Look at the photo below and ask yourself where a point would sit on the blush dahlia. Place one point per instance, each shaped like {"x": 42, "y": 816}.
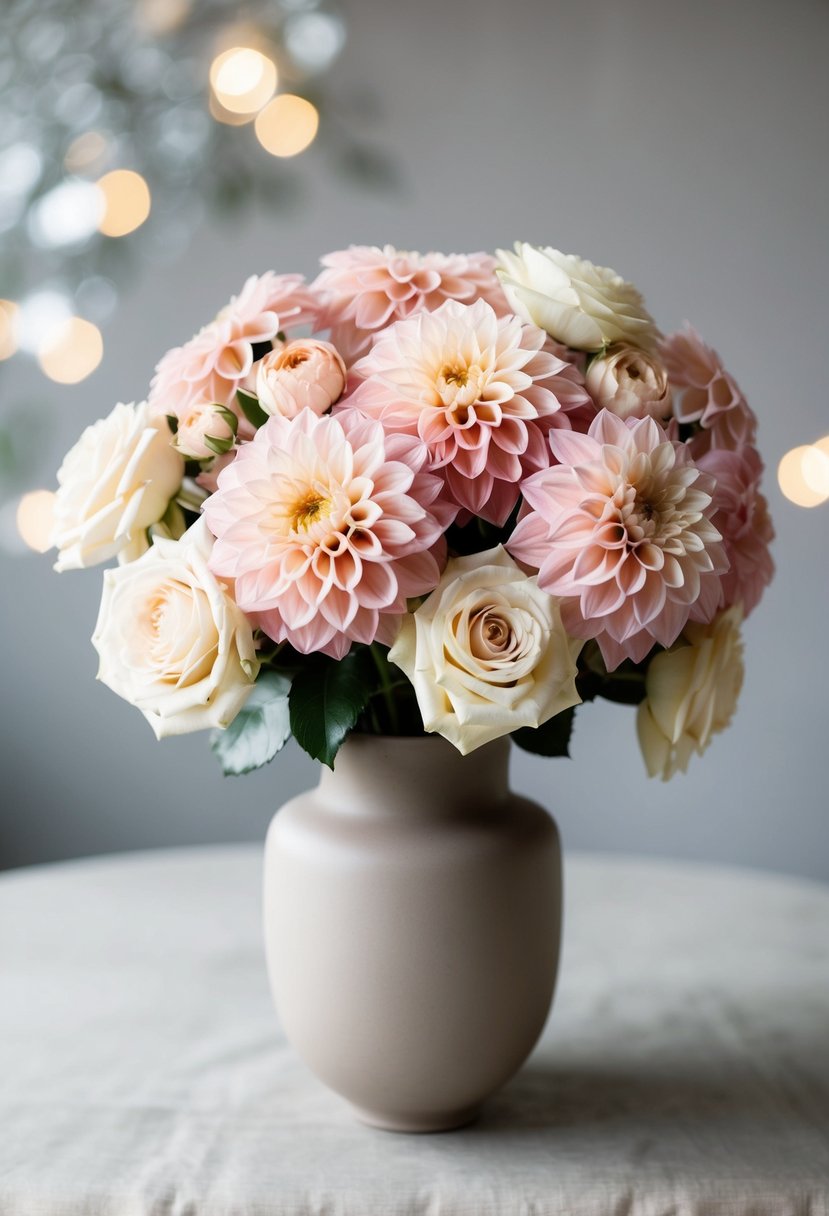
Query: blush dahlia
{"x": 478, "y": 390}
{"x": 620, "y": 528}
{"x": 326, "y": 526}
{"x": 363, "y": 289}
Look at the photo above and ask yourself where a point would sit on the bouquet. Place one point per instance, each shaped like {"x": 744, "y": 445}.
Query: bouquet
{"x": 425, "y": 493}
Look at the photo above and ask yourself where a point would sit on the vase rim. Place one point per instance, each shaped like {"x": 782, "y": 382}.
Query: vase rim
{"x": 366, "y": 763}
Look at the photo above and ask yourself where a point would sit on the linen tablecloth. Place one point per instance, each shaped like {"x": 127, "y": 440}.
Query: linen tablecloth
{"x": 684, "y": 1070}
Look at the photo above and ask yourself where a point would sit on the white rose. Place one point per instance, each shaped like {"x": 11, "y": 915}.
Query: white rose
{"x": 582, "y": 305}
{"x": 172, "y": 641}
{"x": 206, "y": 430}
{"x": 307, "y": 373}
{"x": 629, "y": 382}
{"x": 487, "y": 652}
{"x": 113, "y": 484}
{"x": 692, "y": 693}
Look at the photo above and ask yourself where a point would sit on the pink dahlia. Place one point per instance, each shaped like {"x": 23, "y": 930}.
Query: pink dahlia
{"x": 621, "y": 530}
{"x": 741, "y": 514}
{"x": 327, "y": 525}
{"x": 706, "y": 393}
{"x": 365, "y": 288}
{"x": 218, "y": 360}
{"x": 478, "y": 390}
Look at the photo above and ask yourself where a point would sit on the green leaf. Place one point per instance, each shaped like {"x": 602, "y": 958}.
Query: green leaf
{"x": 219, "y": 446}
{"x": 260, "y": 729}
{"x": 172, "y": 422}
{"x": 551, "y": 739}
{"x": 251, "y": 408}
{"x": 326, "y": 699}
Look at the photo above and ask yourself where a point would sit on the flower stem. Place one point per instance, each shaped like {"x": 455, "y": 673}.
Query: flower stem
{"x": 387, "y": 686}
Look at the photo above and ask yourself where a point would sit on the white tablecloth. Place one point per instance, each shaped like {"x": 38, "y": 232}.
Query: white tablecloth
{"x": 684, "y": 1070}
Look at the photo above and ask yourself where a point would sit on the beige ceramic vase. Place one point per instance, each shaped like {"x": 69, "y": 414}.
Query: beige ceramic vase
{"x": 412, "y": 923}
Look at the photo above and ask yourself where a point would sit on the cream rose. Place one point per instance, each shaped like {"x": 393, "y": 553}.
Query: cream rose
{"x": 303, "y": 374}
{"x": 629, "y": 382}
{"x": 582, "y": 305}
{"x": 206, "y": 430}
{"x": 172, "y": 641}
{"x": 692, "y": 693}
{"x": 487, "y": 652}
{"x": 113, "y": 484}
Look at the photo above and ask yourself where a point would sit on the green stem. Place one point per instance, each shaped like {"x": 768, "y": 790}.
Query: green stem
{"x": 387, "y": 686}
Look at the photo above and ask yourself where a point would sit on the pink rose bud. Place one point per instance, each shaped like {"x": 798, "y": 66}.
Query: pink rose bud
{"x": 303, "y": 374}
{"x": 206, "y": 430}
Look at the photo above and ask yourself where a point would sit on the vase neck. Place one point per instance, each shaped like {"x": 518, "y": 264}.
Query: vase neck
{"x": 426, "y": 776}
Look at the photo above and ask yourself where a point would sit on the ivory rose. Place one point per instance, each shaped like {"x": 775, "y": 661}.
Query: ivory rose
{"x": 487, "y": 652}
{"x": 582, "y": 305}
{"x": 692, "y": 693}
{"x": 305, "y": 373}
{"x": 113, "y": 484}
{"x": 171, "y": 639}
{"x": 629, "y": 382}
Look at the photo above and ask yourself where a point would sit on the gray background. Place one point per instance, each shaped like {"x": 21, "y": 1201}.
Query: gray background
{"x": 684, "y": 145}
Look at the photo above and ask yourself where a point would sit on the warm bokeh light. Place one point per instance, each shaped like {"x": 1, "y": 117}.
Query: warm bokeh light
{"x": 815, "y": 465}
{"x": 243, "y": 80}
{"x": 9, "y": 328}
{"x": 35, "y": 519}
{"x": 287, "y": 125}
{"x": 796, "y": 473}
{"x": 73, "y": 352}
{"x": 85, "y": 153}
{"x": 218, "y": 112}
{"x": 126, "y": 202}
{"x": 162, "y": 16}
{"x": 822, "y": 445}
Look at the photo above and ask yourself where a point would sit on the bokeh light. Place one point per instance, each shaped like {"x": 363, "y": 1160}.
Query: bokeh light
{"x": 66, "y": 215}
{"x": 815, "y": 465}
{"x": 73, "y": 352}
{"x": 35, "y": 519}
{"x": 287, "y": 125}
{"x": 9, "y": 327}
{"x": 823, "y": 445}
{"x": 243, "y": 80}
{"x": 85, "y": 153}
{"x": 162, "y": 16}
{"x": 127, "y": 202}
{"x": 314, "y": 40}
{"x": 41, "y": 316}
{"x": 803, "y": 476}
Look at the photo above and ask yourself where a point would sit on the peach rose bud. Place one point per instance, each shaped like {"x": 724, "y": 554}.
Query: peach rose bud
{"x": 306, "y": 373}
{"x": 206, "y": 430}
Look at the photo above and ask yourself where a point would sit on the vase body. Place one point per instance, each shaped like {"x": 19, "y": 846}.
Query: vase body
{"x": 412, "y": 927}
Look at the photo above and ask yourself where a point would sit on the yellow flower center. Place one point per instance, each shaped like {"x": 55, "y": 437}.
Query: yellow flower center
{"x": 459, "y": 386}
{"x": 307, "y": 510}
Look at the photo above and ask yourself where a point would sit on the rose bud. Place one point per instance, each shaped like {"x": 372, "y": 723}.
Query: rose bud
{"x": 303, "y": 374}
{"x": 206, "y": 430}
{"x": 629, "y": 382}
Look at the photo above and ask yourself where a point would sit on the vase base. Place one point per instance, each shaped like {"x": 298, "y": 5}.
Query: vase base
{"x": 444, "y": 1121}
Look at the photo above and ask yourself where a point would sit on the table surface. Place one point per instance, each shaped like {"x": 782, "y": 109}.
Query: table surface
{"x": 684, "y": 1070}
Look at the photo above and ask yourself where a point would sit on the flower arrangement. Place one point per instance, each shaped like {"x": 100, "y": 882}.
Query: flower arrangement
{"x": 484, "y": 490}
